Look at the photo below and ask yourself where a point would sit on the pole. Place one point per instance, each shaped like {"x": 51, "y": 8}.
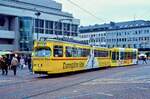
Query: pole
{"x": 117, "y": 40}
{"x": 37, "y": 14}
{"x": 37, "y": 29}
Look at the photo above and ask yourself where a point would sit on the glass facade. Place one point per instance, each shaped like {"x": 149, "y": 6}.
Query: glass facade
{"x": 39, "y": 26}
{"x": 26, "y": 35}
{"x": 42, "y": 27}
{"x": 23, "y": 21}
{"x": 55, "y": 27}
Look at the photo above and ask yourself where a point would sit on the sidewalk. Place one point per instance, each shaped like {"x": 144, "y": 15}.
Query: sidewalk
{"x": 21, "y": 76}
{"x": 141, "y": 62}
{"x": 25, "y": 75}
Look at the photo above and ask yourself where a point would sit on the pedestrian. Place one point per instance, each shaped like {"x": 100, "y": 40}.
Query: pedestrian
{"x": 7, "y": 59}
{"x": 144, "y": 59}
{"x": 29, "y": 62}
{"x": 1, "y": 64}
{"x": 14, "y": 64}
{"x": 22, "y": 62}
{"x": 4, "y": 65}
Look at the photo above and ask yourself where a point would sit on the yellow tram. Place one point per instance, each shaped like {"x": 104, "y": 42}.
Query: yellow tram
{"x": 56, "y": 56}
{"x": 123, "y": 56}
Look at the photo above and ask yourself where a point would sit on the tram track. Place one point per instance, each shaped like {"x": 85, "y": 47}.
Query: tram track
{"x": 60, "y": 88}
{"x": 68, "y": 85}
{"x": 21, "y": 82}
{"x": 40, "y": 86}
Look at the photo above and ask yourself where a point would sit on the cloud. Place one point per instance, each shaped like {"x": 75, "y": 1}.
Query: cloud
{"x": 115, "y": 10}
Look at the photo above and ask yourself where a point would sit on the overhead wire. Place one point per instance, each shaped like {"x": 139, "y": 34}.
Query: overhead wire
{"x": 86, "y": 11}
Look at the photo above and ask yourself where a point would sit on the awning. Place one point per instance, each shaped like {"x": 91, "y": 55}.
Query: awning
{"x": 142, "y": 55}
{"x": 5, "y": 52}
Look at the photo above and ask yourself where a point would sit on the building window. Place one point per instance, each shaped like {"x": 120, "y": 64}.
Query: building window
{"x": 134, "y": 46}
{"x": 124, "y": 45}
{"x": 66, "y": 28}
{"x": 39, "y": 23}
{"x": 39, "y": 26}
{"x": 2, "y": 21}
{"x": 49, "y": 24}
{"x": 58, "y": 28}
{"x": 136, "y": 32}
{"x": 49, "y": 27}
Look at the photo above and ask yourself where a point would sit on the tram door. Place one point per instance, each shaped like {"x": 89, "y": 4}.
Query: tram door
{"x": 115, "y": 57}
{"x": 134, "y": 57}
{"x": 40, "y": 58}
{"x": 121, "y": 56}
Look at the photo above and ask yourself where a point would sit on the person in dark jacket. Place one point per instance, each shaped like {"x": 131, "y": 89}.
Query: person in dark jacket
{"x": 144, "y": 60}
{"x": 4, "y": 65}
{"x": 29, "y": 63}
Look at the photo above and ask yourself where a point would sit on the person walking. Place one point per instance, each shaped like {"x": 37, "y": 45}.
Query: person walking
{"x": 14, "y": 63}
{"x": 22, "y": 62}
{"x": 144, "y": 59}
{"x": 4, "y": 66}
{"x": 8, "y": 61}
{"x": 29, "y": 62}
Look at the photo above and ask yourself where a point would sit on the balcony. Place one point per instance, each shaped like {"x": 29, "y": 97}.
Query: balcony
{"x": 7, "y": 34}
{"x": 6, "y": 47}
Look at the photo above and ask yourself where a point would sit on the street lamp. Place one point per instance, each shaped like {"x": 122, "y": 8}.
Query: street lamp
{"x": 37, "y": 13}
{"x": 117, "y": 39}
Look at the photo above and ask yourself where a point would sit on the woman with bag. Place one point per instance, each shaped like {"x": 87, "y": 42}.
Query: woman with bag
{"x": 14, "y": 63}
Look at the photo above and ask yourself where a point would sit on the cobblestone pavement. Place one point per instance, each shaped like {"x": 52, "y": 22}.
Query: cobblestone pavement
{"x": 132, "y": 82}
{"x": 21, "y": 76}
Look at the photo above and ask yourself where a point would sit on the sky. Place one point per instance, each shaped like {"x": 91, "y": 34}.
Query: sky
{"x": 104, "y": 11}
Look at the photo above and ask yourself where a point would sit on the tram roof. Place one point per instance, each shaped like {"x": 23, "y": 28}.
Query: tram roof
{"x": 65, "y": 40}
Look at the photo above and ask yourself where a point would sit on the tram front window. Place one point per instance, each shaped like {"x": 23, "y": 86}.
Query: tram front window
{"x": 42, "y": 52}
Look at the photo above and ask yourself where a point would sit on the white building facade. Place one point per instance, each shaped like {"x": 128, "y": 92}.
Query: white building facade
{"x": 23, "y": 21}
{"x": 130, "y": 38}
{"x": 131, "y": 34}
{"x": 94, "y": 38}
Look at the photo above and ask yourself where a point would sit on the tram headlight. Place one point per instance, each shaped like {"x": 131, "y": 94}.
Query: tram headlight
{"x": 39, "y": 65}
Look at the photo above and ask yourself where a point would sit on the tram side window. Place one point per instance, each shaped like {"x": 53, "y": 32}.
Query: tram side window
{"x": 117, "y": 55}
{"x": 58, "y": 51}
{"x": 79, "y": 52}
{"x": 126, "y": 55}
{"x": 68, "y": 51}
{"x": 134, "y": 55}
{"x": 113, "y": 56}
{"x": 98, "y": 53}
{"x": 42, "y": 52}
{"x": 103, "y": 53}
{"x": 74, "y": 52}
{"x": 85, "y": 52}
{"x": 129, "y": 55}
{"x": 122, "y": 55}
